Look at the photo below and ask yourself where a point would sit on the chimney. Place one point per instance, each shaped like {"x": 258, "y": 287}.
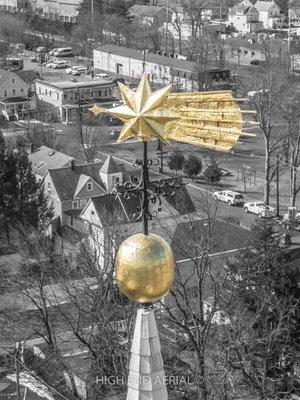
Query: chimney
{"x": 72, "y": 164}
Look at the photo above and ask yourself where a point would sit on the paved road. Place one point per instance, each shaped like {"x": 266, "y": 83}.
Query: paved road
{"x": 201, "y": 194}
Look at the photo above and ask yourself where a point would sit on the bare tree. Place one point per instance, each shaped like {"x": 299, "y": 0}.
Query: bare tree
{"x": 291, "y": 117}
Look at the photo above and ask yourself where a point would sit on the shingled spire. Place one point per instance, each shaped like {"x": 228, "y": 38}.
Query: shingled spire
{"x": 146, "y": 380}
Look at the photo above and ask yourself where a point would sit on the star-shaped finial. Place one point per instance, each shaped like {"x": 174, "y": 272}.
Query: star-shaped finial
{"x": 143, "y": 112}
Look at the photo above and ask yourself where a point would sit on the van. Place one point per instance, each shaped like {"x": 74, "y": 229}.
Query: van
{"x": 63, "y": 52}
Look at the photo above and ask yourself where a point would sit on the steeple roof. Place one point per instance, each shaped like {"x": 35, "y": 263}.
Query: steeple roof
{"x": 110, "y": 166}
{"x": 146, "y": 380}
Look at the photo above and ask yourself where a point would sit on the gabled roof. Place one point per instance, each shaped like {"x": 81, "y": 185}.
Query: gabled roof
{"x": 83, "y": 179}
{"x": 145, "y": 11}
{"x": 241, "y": 8}
{"x": 27, "y": 76}
{"x": 66, "y": 179}
{"x": 264, "y": 5}
{"x": 110, "y": 166}
{"x": 4, "y": 75}
{"x": 114, "y": 210}
{"x": 180, "y": 200}
{"x": 45, "y": 158}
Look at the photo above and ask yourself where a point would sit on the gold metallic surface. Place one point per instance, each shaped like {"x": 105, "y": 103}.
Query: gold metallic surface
{"x": 145, "y": 267}
{"x": 206, "y": 119}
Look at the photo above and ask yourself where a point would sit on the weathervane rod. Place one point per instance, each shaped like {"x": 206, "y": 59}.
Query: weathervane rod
{"x": 145, "y": 179}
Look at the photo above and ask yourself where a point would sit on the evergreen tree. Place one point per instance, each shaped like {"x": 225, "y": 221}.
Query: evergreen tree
{"x": 8, "y": 186}
{"x": 176, "y": 161}
{"x": 192, "y": 166}
{"x": 213, "y": 172}
{"x": 32, "y": 208}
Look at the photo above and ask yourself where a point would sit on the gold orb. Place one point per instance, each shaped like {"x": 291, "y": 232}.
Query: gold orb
{"x": 145, "y": 267}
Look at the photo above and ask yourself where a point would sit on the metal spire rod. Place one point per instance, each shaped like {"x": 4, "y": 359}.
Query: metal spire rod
{"x": 145, "y": 181}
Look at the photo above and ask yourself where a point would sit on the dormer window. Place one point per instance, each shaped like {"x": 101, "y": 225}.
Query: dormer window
{"x": 75, "y": 204}
{"x": 89, "y": 186}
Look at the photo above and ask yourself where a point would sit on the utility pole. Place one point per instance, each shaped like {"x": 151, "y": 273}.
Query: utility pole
{"x": 28, "y": 123}
{"x": 92, "y": 17}
{"x": 277, "y": 185}
{"x": 167, "y": 27}
{"x": 17, "y": 370}
{"x": 79, "y": 114}
{"x": 289, "y": 38}
{"x": 220, "y": 35}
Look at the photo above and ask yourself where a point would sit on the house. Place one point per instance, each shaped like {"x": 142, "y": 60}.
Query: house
{"x": 245, "y": 50}
{"x": 183, "y": 75}
{"x": 16, "y": 94}
{"x": 45, "y": 158}
{"x": 60, "y": 10}
{"x": 149, "y": 15}
{"x": 294, "y": 11}
{"x": 244, "y": 17}
{"x": 66, "y": 97}
{"x": 269, "y": 14}
{"x": 14, "y": 5}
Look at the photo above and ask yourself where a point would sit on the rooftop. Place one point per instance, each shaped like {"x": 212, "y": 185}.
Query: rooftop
{"x": 77, "y": 84}
{"x": 145, "y": 11}
{"x": 264, "y": 5}
{"x": 45, "y": 158}
{"x": 151, "y": 57}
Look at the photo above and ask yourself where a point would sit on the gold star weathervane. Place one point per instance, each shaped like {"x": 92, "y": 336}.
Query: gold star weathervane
{"x": 206, "y": 119}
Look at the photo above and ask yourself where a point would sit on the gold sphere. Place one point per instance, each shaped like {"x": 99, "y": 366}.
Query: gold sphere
{"x": 145, "y": 267}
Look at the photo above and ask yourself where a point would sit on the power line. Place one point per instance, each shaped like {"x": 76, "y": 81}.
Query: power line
{"x": 33, "y": 374}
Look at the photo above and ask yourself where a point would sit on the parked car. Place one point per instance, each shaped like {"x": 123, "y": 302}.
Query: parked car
{"x": 51, "y": 64}
{"x": 255, "y": 62}
{"x": 101, "y": 75}
{"x": 51, "y": 52}
{"x": 60, "y": 64}
{"x": 229, "y": 197}
{"x": 73, "y": 68}
{"x": 79, "y": 71}
{"x": 260, "y": 209}
{"x": 41, "y": 50}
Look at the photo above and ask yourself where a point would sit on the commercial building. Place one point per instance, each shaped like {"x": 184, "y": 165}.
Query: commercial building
{"x": 14, "y": 5}
{"x": 161, "y": 70}
{"x": 65, "y": 97}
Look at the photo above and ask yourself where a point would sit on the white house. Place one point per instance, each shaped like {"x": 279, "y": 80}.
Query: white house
{"x": 16, "y": 95}
{"x": 62, "y": 10}
{"x": 244, "y": 17}
{"x": 269, "y": 14}
{"x": 65, "y": 97}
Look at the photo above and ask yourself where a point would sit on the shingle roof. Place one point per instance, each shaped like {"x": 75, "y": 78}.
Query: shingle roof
{"x": 4, "y": 75}
{"x": 112, "y": 209}
{"x": 264, "y": 5}
{"x": 180, "y": 199}
{"x": 145, "y": 11}
{"x": 110, "y": 166}
{"x": 45, "y": 158}
{"x": 27, "y": 76}
{"x": 66, "y": 179}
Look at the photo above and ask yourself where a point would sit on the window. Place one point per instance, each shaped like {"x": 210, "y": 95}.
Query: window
{"x": 253, "y": 53}
{"x": 82, "y": 202}
{"x": 105, "y": 93}
{"x": 14, "y": 92}
{"x": 75, "y": 204}
{"x": 71, "y": 220}
{"x": 159, "y": 209}
{"x": 22, "y": 90}
{"x": 46, "y": 91}
{"x": 5, "y": 93}
{"x": 89, "y": 186}
{"x": 13, "y": 80}
{"x": 65, "y": 96}
{"x": 50, "y": 93}
{"x": 100, "y": 93}
{"x": 49, "y": 186}
{"x": 57, "y": 96}
{"x": 115, "y": 180}
{"x": 245, "y": 51}
{"x": 92, "y": 212}
{"x": 40, "y": 90}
